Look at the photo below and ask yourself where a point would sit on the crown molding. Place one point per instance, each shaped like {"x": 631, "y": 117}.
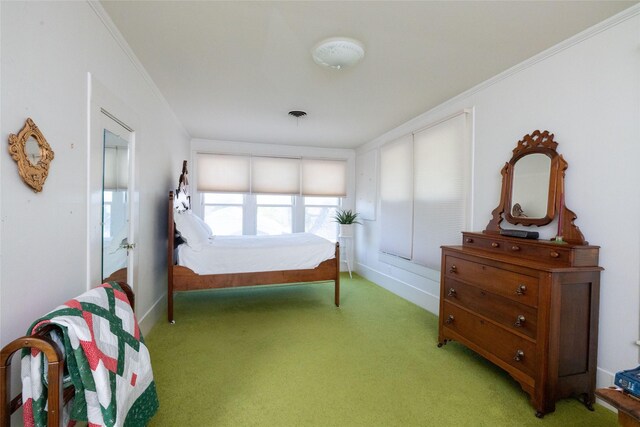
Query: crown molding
{"x": 121, "y": 41}
{"x": 427, "y": 117}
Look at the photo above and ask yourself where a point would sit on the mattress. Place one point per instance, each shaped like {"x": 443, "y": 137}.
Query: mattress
{"x": 247, "y": 254}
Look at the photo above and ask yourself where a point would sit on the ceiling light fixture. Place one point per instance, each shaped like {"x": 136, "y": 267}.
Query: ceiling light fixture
{"x": 338, "y": 52}
{"x": 297, "y": 114}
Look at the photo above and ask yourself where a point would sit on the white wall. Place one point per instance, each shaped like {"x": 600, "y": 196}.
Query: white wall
{"x": 47, "y": 50}
{"x": 587, "y": 92}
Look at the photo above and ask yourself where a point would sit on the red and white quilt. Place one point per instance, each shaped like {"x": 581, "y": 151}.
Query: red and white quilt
{"x": 106, "y": 358}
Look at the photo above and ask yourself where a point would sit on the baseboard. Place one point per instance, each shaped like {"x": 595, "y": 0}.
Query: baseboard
{"x": 604, "y": 378}
{"x": 153, "y": 315}
{"x": 409, "y": 292}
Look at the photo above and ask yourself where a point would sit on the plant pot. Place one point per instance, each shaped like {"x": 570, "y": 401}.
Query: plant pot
{"x": 346, "y": 230}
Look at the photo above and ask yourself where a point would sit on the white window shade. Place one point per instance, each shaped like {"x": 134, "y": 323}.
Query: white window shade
{"x": 396, "y": 194}
{"x": 324, "y": 177}
{"x": 441, "y": 186}
{"x": 272, "y": 175}
{"x": 223, "y": 173}
{"x": 116, "y": 168}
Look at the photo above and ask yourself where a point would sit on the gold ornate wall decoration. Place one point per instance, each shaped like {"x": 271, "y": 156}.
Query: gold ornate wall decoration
{"x": 32, "y": 154}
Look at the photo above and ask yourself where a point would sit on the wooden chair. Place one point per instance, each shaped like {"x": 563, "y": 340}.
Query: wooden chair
{"x": 57, "y": 397}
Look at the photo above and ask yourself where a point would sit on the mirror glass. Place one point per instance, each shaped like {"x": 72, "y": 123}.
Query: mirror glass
{"x": 33, "y": 151}
{"x": 115, "y": 206}
{"x": 530, "y": 191}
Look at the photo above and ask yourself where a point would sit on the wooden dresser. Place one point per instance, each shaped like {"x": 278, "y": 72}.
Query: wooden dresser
{"x": 530, "y": 307}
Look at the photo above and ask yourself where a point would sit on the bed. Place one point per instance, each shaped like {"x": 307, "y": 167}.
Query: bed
{"x": 182, "y": 278}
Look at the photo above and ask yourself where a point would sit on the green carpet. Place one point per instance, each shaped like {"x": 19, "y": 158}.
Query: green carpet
{"x": 286, "y": 356}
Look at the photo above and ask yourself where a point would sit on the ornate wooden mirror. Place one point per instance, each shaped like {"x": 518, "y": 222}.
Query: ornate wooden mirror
{"x": 32, "y": 153}
{"x": 533, "y": 189}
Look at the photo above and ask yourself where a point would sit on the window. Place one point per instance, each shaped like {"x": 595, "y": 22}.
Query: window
{"x": 114, "y": 213}
{"x": 425, "y": 190}
{"x": 274, "y": 214}
{"x": 232, "y": 214}
{"x": 106, "y": 214}
{"x": 224, "y": 213}
{"x": 256, "y": 195}
{"x": 318, "y": 216}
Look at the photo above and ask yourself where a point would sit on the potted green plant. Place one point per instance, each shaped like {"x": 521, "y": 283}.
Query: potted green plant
{"x": 346, "y": 218}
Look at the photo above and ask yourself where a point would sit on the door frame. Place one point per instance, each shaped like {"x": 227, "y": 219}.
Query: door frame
{"x": 103, "y": 105}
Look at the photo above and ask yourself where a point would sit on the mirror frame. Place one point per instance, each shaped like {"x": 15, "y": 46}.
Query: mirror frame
{"x": 541, "y": 142}
{"x": 543, "y": 145}
{"x": 33, "y": 175}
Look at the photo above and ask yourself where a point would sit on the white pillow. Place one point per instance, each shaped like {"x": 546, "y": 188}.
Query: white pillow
{"x": 194, "y": 231}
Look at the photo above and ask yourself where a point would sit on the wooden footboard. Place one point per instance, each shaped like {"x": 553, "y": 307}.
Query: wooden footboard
{"x": 184, "y": 279}
{"x": 57, "y": 397}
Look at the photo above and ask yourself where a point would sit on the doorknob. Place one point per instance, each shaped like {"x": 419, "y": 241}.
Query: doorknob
{"x": 128, "y": 246}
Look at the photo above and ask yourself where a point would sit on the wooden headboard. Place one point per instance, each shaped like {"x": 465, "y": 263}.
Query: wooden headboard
{"x": 182, "y": 200}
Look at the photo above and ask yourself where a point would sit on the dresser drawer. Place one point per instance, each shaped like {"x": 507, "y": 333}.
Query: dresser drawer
{"x": 552, "y": 254}
{"x": 510, "y": 314}
{"x": 512, "y": 349}
{"x": 493, "y": 243}
{"x": 535, "y": 250}
{"x": 515, "y": 286}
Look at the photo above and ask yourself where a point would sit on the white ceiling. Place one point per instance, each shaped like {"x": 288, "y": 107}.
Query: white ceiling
{"x": 233, "y": 70}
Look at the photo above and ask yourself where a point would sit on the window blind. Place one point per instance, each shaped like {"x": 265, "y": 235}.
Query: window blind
{"x": 116, "y": 168}
{"x": 273, "y": 175}
{"x": 425, "y": 185}
{"x": 441, "y": 186}
{"x": 324, "y": 177}
{"x": 396, "y": 197}
{"x": 223, "y": 173}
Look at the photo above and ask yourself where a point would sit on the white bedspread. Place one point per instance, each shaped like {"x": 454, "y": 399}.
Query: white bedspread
{"x": 245, "y": 254}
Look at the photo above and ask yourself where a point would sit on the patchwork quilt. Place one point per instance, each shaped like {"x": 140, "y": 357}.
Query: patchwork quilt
{"x": 106, "y": 358}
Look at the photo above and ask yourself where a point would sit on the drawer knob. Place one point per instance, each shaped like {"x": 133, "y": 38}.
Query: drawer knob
{"x": 515, "y": 248}
{"x": 449, "y": 319}
{"x": 469, "y": 240}
{"x": 519, "y": 356}
{"x": 554, "y": 254}
{"x": 452, "y": 293}
{"x": 495, "y": 244}
{"x": 522, "y": 289}
{"x": 453, "y": 269}
{"x": 519, "y": 321}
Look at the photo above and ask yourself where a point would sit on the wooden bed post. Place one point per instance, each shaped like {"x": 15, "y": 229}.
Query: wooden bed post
{"x": 337, "y": 281}
{"x": 170, "y": 249}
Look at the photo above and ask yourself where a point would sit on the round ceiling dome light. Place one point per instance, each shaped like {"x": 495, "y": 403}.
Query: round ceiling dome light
{"x": 338, "y": 52}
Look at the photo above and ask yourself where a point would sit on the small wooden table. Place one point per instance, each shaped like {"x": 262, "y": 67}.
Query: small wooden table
{"x": 628, "y": 406}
